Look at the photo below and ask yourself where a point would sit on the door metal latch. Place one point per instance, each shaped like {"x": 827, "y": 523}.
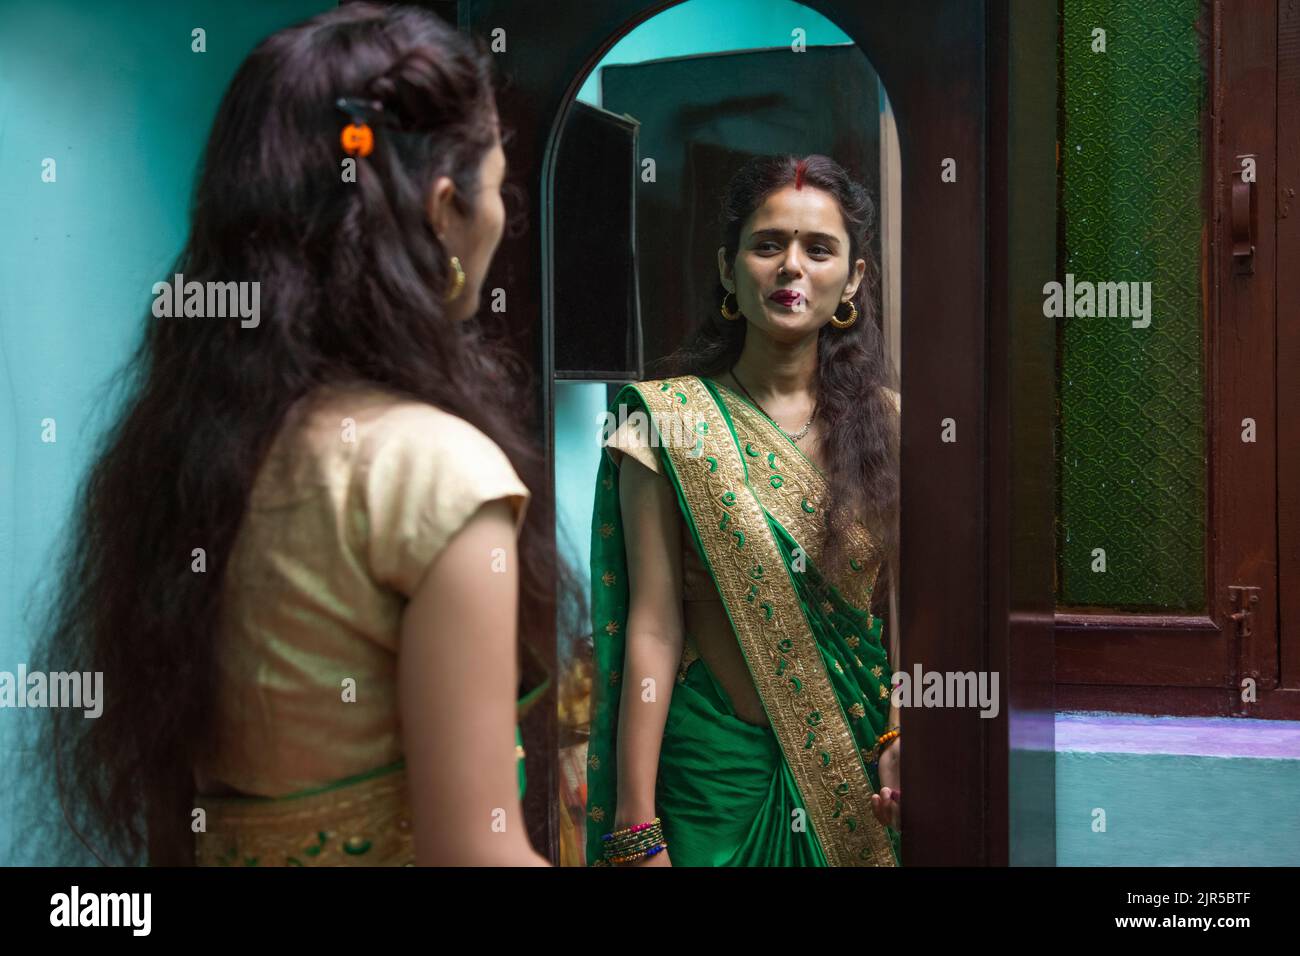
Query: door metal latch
{"x": 1243, "y": 214}
{"x": 1244, "y": 602}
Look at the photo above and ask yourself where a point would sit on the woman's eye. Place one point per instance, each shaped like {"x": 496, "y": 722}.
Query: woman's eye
{"x": 816, "y": 250}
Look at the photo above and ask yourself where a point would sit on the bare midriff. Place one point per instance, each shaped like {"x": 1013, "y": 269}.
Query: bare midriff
{"x": 709, "y": 628}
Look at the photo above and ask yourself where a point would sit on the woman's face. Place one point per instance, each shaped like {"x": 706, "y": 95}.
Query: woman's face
{"x": 474, "y": 239}
{"x": 795, "y": 242}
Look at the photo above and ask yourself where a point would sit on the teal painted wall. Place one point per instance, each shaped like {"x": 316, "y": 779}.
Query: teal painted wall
{"x": 579, "y": 407}
{"x": 1176, "y": 791}
{"x": 114, "y": 94}
{"x": 708, "y": 26}
{"x": 1177, "y": 810}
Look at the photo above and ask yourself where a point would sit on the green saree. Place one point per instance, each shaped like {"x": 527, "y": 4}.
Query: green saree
{"x": 729, "y": 792}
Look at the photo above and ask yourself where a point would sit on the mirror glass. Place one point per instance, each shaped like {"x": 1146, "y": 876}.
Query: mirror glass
{"x": 643, "y": 161}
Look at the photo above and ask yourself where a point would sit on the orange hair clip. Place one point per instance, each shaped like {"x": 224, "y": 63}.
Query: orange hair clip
{"x": 357, "y": 138}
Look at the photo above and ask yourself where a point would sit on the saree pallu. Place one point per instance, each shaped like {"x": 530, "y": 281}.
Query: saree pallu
{"x": 732, "y": 793}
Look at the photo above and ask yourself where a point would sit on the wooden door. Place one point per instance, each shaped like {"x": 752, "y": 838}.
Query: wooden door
{"x": 1208, "y": 641}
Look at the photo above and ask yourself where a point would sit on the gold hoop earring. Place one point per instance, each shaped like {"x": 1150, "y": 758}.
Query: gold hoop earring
{"x": 458, "y": 284}
{"x": 845, "y": 323}
{"x": 729, "y": 316}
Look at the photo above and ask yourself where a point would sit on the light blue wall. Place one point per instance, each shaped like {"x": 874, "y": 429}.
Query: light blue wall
{"x": 114, "y": 94}
{"x": 1176, "y": 810}
{"x": 578, "y": 410}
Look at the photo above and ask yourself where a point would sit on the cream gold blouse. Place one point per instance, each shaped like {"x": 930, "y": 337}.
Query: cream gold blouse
{"x": 360, "y": 491}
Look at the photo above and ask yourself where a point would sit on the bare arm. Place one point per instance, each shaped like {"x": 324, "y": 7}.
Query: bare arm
{"x": 654, "y": 634}
{"x": 457, "y": 680}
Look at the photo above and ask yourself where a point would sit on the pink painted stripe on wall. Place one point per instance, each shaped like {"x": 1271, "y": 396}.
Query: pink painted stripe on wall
{"x": 1199, "y": 736}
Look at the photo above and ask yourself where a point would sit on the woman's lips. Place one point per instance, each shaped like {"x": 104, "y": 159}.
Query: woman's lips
{"x": 787, "y": 298}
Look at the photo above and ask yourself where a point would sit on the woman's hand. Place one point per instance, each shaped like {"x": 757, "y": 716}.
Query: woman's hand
{"x": 887, "y": 804}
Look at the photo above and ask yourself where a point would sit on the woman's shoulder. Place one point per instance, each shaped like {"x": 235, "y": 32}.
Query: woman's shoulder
{"x": 367, "y": 437}
{"x": 417, "y": 475}
{"x": 365, "y": 422}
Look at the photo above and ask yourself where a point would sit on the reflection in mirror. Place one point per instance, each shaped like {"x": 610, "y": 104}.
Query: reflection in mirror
{"x": 726, "y": 346}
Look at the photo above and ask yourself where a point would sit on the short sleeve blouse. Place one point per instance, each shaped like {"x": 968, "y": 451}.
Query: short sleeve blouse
{"x": 360, "y": 491}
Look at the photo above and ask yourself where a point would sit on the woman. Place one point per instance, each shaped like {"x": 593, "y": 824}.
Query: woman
{"x": 296, "y": 558}
{"x": 742, "y": 692}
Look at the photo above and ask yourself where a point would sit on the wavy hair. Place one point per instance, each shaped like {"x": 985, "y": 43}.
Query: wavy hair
{"x": 352, "y": 278}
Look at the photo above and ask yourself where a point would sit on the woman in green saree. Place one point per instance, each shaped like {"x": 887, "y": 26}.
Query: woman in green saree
{"x": 741, "y": 697}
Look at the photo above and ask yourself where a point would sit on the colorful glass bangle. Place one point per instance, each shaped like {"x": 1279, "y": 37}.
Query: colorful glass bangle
{"x": 641, "y": 838}
{"x": 645, "y": 854}
{"x": 632, "y": 843}
{"x": 634, "y": 828}
{"x": 623, "y": 849}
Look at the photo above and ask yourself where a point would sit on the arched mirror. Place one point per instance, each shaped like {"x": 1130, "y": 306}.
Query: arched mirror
{"x": 768, "y": 733}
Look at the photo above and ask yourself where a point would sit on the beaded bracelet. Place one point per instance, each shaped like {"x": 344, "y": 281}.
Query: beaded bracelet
{"x": 883, "y": 741}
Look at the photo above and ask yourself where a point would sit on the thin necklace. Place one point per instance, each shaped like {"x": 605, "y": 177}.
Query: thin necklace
{"x": 797, "y": 435}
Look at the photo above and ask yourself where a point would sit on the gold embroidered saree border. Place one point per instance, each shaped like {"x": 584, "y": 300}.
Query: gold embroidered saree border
{"x": 793, "y": 489}
{"x": 779, "y": 647}
{"x": 367, "y": 823}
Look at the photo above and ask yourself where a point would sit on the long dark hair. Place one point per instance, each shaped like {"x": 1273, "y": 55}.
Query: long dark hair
{"x": 352, "y": 279}
{"x": 856, "y": 418}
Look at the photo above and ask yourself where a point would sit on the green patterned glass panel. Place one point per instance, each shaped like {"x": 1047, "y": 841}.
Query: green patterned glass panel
{"x": 1130, "y": 415}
